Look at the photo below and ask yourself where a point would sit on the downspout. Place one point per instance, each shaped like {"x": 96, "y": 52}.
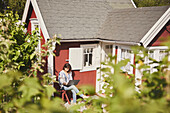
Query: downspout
{"x": 116, "y": 50}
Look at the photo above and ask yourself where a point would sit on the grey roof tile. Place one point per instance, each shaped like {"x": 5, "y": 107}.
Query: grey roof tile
{"x": 84, "y": 18}
{"x": 130, "y": 24}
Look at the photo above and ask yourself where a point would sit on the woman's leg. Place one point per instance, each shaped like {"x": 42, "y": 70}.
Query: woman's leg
{"x": 74, "y": 96}
{"x": 74, "y": 91}
{"x": 72, "y": 87}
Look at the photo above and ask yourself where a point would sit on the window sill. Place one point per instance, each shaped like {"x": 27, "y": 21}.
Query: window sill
{"x": 91, "y": 68}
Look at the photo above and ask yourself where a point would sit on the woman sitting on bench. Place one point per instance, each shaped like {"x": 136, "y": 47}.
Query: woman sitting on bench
{"x": 64, "y": 76}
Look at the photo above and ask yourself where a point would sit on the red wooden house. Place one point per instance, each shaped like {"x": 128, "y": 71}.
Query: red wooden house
{"x": 91, "y": 29}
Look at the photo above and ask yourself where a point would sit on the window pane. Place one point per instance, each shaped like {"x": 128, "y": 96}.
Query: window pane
{"x": 85, "y": 50}
{"x": 108, "y": 50}
{"x": 85, "y": 60}
{"x": 88, "y": 53}
{"x": 162, "y": 54}
{"x": 123, "y": 54}
{"x": 91, "y": 50}
{"x": 107, "y": 46}
{"x": 90, "y": 59}
{"x": 126, "y": 54}
{"x": 88, "y": 50}
{"x": 151, "y": 53}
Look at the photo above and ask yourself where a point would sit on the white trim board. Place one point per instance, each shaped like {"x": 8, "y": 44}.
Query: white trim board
{"x": 39, "y": 17}
{"x": 41, "y": 21}
{"x": 156, "y": 28}
{"x": 157, "y": 47}
{"x": 25, "y": 13}
{"x": 134, "y": 5}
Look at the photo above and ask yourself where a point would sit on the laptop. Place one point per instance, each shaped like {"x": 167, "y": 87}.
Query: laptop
{"x": 73, "y": 82}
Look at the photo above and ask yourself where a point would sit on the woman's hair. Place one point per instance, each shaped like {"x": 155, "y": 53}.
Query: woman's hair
{"x": 67, "y": 65}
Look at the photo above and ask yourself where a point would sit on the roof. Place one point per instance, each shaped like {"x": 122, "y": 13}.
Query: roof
{"x": 115, "y": 20}
{"x": 77, "y": 19}
{"x": 130, "y": 24}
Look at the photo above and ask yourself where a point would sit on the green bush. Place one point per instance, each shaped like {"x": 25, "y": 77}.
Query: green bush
{"x": 20, "y": 90}
{"x": 121, "y": 96}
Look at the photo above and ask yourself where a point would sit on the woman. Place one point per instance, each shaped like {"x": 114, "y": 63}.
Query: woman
{"x": 64, "y": 76}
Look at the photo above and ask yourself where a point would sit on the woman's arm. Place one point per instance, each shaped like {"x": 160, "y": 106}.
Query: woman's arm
{"x": 71, "y": 78}
{"x": 61, "y": 78}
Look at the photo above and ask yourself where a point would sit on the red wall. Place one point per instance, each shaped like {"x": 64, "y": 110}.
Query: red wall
{"x": 62, "y": 54}
{"x": 29, "y": 24}
{"x": 162, "y": 36}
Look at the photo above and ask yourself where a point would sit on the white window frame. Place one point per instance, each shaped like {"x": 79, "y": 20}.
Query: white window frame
{"x": 34, "y": 21}
{"x": 111, "y": 50}
{"x": 119, "y": 57}
{"x": 76, "y": 57}
{"x": 156, "y": 55}
{"x": 157, "y": 50}
{"x": 93, "y": 66}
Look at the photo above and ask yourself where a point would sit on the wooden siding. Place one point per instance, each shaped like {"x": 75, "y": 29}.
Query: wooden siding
{"x": 62, "y": 57}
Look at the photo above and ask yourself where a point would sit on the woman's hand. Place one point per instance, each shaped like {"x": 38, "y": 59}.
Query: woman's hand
{"x": 65, "y": 83}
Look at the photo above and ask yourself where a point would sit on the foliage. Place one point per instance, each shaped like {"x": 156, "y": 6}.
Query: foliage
{"x": 19, "y": 49}
{"x": 16, "y": 46}
{"x": 17, "y": 6}
{"x": 121, "y": 96}
{"x": 148, "y": 3}
{"x": 20, "y": 61}
{"x": 154, "y": 75}
{"x": 26, "y": 94}
{"x": 21, "y": 91}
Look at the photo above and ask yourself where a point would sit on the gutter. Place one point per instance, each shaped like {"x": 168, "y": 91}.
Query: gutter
{"x": 101, "y": 40}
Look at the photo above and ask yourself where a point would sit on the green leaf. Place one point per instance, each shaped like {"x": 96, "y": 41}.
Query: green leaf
{"x": 49, "y": 90}
{"x": 30, "y": 87}
{"x": 32, "y": 55}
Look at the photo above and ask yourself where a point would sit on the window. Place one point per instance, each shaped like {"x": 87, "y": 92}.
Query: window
{"x": 88, "y": 56}
{"x": 85, "y": 58}
{"x": 150, "y": 55}
{"x": 34, "y": 26}
{"x": 157, "y": 53}
{"x": 108, "y": 49}
{"x": 162, "y": 54}
{"x": 126, "y": 54}
{"x": 148, "y": 62}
